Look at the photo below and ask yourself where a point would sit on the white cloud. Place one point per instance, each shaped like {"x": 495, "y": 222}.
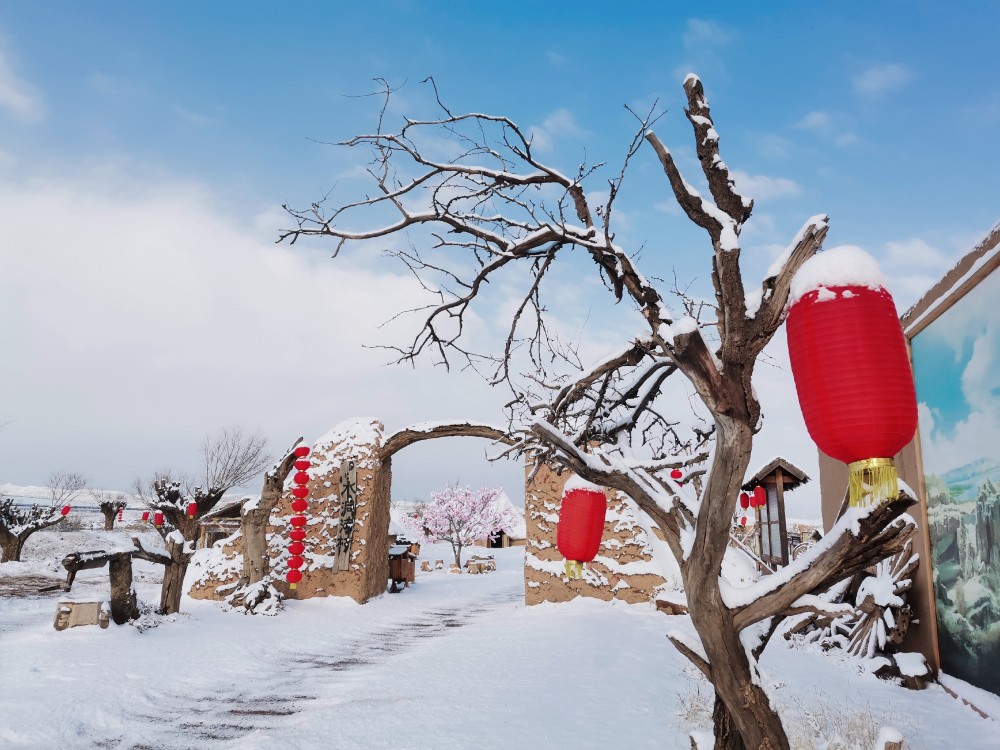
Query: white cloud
{"x": 700, "y": 43}
{"x": 147, "y": 318}
{"x": 881, "y": 79}
{"x": 17, "y": 96}
{"x": 699, "y": 33}
{"x": 818, "y": 122}
{"x": 555, "y": 59}
{"x": 915, "y": 252}
{"x": 829, "y": 125}
{"x": 556, "y": 126}
{"x": 761, "y": 187}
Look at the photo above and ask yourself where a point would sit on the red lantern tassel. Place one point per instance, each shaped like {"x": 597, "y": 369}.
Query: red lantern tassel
{"x": 872, "y": 478}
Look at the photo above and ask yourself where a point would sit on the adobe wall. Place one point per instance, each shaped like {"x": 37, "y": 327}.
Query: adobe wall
{"x": 623, "y": 569}
{"x": 368, "y": 568}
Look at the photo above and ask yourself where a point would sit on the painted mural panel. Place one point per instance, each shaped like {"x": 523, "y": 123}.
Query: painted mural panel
{"x": 955, "y": 363}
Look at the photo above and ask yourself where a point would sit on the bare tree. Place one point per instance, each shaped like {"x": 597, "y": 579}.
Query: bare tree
{"x": 66, "y": 486}
{"x": 492, "y": 209}
{"x": 110, "y": 506}
{"x": 231, "y": 457}
{"x": 17, "y": 524}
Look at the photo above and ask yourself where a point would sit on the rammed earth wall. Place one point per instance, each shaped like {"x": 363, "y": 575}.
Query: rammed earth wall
{"x": 623, "y": 569}
{"x": 366, "y": 574}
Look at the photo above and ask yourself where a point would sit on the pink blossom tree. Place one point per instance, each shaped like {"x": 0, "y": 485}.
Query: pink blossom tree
{"x": 460, "y": 516}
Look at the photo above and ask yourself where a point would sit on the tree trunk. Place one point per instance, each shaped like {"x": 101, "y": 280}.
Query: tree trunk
{"x": 10, "y": 547}
{"x": 123, "y": 603}
{"x": 458, "y": 554}
{"x": 748, "y": 709}
{"x": 727, "y": 736}
{"x": 256, "y": 561}
{"x": 109, "y": 522}
{"x": 173, "y": 579}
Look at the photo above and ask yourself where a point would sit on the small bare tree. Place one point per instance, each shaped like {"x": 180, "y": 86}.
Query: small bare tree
{"x": 66, "y": 486}
{"x": 491, "y": 207}
{"x": 231, "y": 457}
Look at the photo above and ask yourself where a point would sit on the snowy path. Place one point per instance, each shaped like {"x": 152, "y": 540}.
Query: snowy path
{"x": 263, "y": 699}
{"x": 453, "y": 662}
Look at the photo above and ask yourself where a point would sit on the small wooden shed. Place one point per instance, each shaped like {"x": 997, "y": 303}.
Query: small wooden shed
{"x": 777, "y": 477}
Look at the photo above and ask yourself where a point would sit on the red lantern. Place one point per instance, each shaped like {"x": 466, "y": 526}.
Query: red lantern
{"x": 192, "y": 510}
{"x": 854, "y": 382}
{"x": 293, "y": 577}
{"x": 743, "y": 521}
{"x": 295, "y": 562}
{"x": 297, "y": 535}
{"x": 300, "y": 492}
{"x": 303, "y": 464}
{"x": 299, "y": 505}
{"x": 759, "y": 497}
{"x": 302, "y": 451}
{"x": 744, "y": 500}
{"x": 297, "y": 520}
{"x": 301, "y": 478}
{"x": 581, "y": 524}
{"x": 676, "y": 474}
{"x": 296, "y": 548}
{"x": 158, "y": 518}
{"x": 145, "y": 516}
{"x": 65, "y": 510}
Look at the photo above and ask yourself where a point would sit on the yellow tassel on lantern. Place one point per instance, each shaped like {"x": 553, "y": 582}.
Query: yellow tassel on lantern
{"x": 574, "y": 569}
{"x": 872, "y": 481}
{"x": 292, "y": 586}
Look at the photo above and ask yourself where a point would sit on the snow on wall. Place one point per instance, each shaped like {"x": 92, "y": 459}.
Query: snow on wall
{"x": 624, "y": 567}
{"x": 365, "y": 576}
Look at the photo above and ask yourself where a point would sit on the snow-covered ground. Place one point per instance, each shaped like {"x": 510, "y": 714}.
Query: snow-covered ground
{"x": 454, "y": 661}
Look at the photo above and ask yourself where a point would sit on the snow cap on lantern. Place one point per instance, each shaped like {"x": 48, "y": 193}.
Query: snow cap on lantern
{"x": 581, "y": 523}
{"x": 851, "y": 369}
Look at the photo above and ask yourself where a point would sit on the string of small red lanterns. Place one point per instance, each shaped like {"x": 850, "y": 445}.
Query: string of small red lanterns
{"x": 299, "y": 504}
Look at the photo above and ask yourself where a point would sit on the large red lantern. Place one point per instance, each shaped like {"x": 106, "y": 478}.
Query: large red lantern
{"x": 676, "y": 474}
{"x": 851, "y": 369}
{"x": 158, "y": 518}
{"x": 145, "y": 516}
{"x": 303, "y": 464}
{"x": 744, "y": 500}
{"x": 581, "y": 524}
{"x": 297, "y": 535}
{"x": 192, "y": 510}
{"x": 759, "y": 497}
{"x": 301, "y": 492}
{"x": 65, "y": 510}
{"x": 302, "y": 451}
{"x": 293, "y": 576}
{"x": 301, "y": 478}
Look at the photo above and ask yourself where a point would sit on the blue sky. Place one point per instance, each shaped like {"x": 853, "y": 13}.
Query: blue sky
{"x": 139, "y": 136}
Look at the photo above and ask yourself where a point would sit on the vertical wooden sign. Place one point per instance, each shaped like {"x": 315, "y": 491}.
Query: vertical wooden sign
{"x": 348, "y": 510}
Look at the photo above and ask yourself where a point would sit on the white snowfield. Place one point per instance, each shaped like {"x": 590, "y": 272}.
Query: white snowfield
{"x": 454, "y": 661}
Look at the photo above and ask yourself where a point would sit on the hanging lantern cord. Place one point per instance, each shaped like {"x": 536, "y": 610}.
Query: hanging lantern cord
{"x": 574, "y": 569}
{"x": 875, "y": 479}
